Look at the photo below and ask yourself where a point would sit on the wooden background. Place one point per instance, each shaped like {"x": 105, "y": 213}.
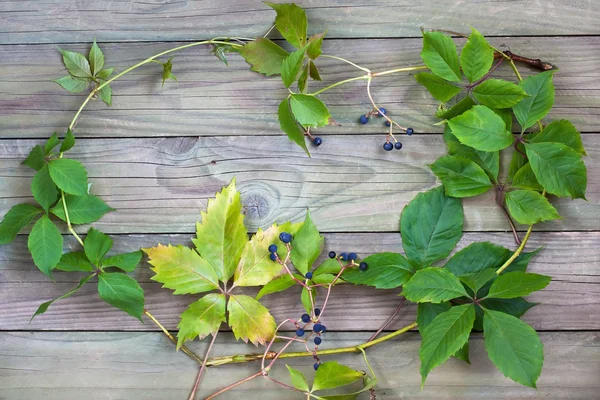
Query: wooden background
{"x": 158, "y": 154}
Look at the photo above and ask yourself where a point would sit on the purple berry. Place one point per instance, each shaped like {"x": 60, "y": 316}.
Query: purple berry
{"x": 318, "y": 340}
{"x": 300, "y": 332}
{"x": 363, "y": 266}
{"x": 410, "y": 131}
{"x": 305, "y": 318}
{"x": 382, "y": 112}
{"x": 316, "y": 366}
{"x": 363, "y": 119}
{"x": 398, "y": 145}
{"x": 273, "y": 248}
{"x": 388, "y": 146}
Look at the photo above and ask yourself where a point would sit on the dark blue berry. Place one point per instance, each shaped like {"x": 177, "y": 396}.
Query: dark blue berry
{"x": 324, "y": 328}
{"x": 285, "y": 237}
{"x": 318, "y": 340}
{"x": 332, "y": 254}
{"x": 344, "y": 256}
{"x": 273, "y": 256}
{"x": 316, "y": 366}
{"x": 352, "y": 256}
{"x": 363, "y": 119}
{"x": 308, "y": 275}
{"x": 382, "y": 112}
{"x": 317, "y": 141}
{"x": 317, "y": 311}
{"x": 317, "y": 327}
{"x": 299, "y": 332}
{"x": 363, "y": 266}
{"x": 305, "y": 318}
{"x": 387, "y": 123}
{"x": 273, "y": 248}
{"x": 398, "y": 145}
{"x": 388, "y": 146}
{"x": 410, "y": 131}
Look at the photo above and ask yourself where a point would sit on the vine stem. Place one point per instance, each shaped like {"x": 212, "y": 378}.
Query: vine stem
{"x": 517, "y": 252}
{"x": 389, "y": 321}
{"x": 203, "y": 367}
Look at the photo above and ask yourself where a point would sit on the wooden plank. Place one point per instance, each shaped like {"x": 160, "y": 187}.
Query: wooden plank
{"x": 160, "y": 184}
{"x": 570, "y": 302}
{"x": 72, "y": 365}
{"x": 57, "y": 21}
{"x": 213, "y": 99}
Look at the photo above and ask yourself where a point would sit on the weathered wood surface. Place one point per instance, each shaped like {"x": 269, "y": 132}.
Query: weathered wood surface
{"x": 61, "y": 365}
{"x": 58, "y": 21}
{"x": 570, "y": 302}
{"x": 212, "y": 99}
{"x": 161, "y": 184}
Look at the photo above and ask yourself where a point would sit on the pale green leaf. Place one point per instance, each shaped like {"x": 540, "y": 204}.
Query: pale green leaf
{"x": 477, "y": 257}
{"x": 434, "y": 285}
{"x": 461, "y": 177}
{"x": 302, "y": 80}
{"x": 524, "y": 178}
{"x": 439, "y": 55}
{"x": 82, "y": 209}
{"x": 288, "y": 124}
{"x": 541, "y": 98}
{"x": 250, "y": 320}
{"x": 167, "y": 68}
{"x": 255, "y": 267}
{"x": 291, "y": 22}
{"x": 307, "y": 245}
{"x": 105, "y": 73}
{"x": 277, "y": 285}
{"x": 529, "y": 207}
{"x": 123, "y": 292}
{"x": 17, "y": 218}
{"x": 517, "y": 284}
{"x": 264, "y": 55}
{"x": 313, "y": 49}
{"x": 332, "y": 374}
{"x": 201, "y": 318}
{"x": 96, "y": 244}
{"x": 291, "y": 66}
{"x": 105, "y": 94}
{"x": 439, "y": 88}
{"x": 476, "y": 57}
{"x": 43, "y": 189}
{"x": 69, "y": 175}
{"x": 488, "y": 160}
{"x": 298, "y": 379}
{"x": 96, "y": 59}
{"x": 329, "y": 266}
{"x": 73, "y": 84}
{"x": 482, "y": 129}
{"x": 498, "y": 93}
{"x": 44, "y": 306}
{"x": 313, "y": 72}
{"x": 126, "y": 262}
{"x": 45, "y": 244}
{"x": 385, "y": 271}
{"x": 326, "y": 279}
{"x": 75, "y": 261}
{"x": 76, "y": 64}
{"x": 561, "y": 131}
{"x": 305, "y": 299}
{"x": 309, "y": 111}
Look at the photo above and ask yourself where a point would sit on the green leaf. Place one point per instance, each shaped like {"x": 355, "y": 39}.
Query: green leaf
{"x": 181, "y": 269}
{"x": 329, "y": 266}
{"x": 222, "y": 236}
{"x": 514, "y": 347}
{"x": 445, "y": 336}
{"x": 250, "y": 320}
{"x": 541, "y": 98}
{"x": 313, "y": 49}
{"x": 96, "y": 244}
{"x": 385, "y": 271}
{"x": 96, "y": 59}
{"x": 515, "y": 307}
{"x": 478, "y": 279}
{"x": 439, "y": 88}
{"x": 466, "y": 103}
{"x": 82, "y": 209}
{"x": 17, "y": 218}
{"x": 433, "y": 285}
{"x": 126, "y": 261}
{"x": 68, "y": 141}
{"x": 558, "y": 168}
{"x": 220, "y": 51}
{"x": 36, "y": 158}
{"x": 506, "y": 115}
{"x": 489, "y": 161}
{"x": 69, "y": 175}
{"x": 264, "y": 55}
{"x": 45, "y": 244}
{"x": 303, "y": 79}
{"x": 463, "y": 353}
{"x": 529, "y": 207}
{"x": 291, "y": 66}
{"x": 476, "y": 257}
{"x": 309, "y": 111}
{"x": 524, "y": 178}
{"x": 460, "y": 176}
{"x": 288, "y": 124}
{"x": 522, "y": 262}
{"x": 44, "y": 306}
{"x": 426, "y": 312}
{"x": 307, "y": 245}
{"x": 482, "y": 129}
{"x": 298, "y": 379}
{"x": 76, "y": 64}
{"x": 517, "y": 161}
{"x": 43, "y": 189}
{"x": 326, "y": 279}
{"x": 431, "y": 225}
{"x": 313, "y": 72}
{"x": 201, "y": 318}
{"x": 51, "y": 143}
{"x": 167, "y": 74}
{"x": 517, "y": 284}
{"x": 105, "y": 73}
{"x": 280, "y": 284}
{"x": 439, "y": 55}
{"x": 123, "y": 292}
{"x": 305, "y": 299}
{"x": 106, "y": 94}
{"x": 561, "y": 131}
{"x": 73, "y": 84}
{"x": 476, "y": 57}
{"x": 291, "y": 22}
{"x": 332, "y": 374}
{"x": 75, "y": 261}
{"x": 498, "y": 93}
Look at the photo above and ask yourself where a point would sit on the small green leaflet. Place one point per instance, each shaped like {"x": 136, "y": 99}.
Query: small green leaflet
{"x": 561, "y": 131}
{"x": 461, "y": 176}
{"x": 385, "y": 271}
{"x": 439, "y": 55}
{"x": 497, "y": 93}
{"x": 45, "y": 244}
{"x": 433, "y": 285}
{"x": 309, "y": 111}
{"x": 305, "y": 299}
{"x": 43, "y": 189}
{"x": 289, "y": 125}
{"x": 489, "y": 161}
{"x": 105, "y": 73}
{"x": 476, "y": 57}
{"x": 443, "y": 112}
{"x": 77, "y": 65}
{"x": 73, "y": 84}
{"x": 291, "y": 66}
{"x": 201, "y": 318}
{"x": 558, "y": 168}
{"x": 51, "y": 143}
{"x": 277, "y": 285}
{"x": 313, "y": 49}
{"x": 36, "y": 158}
{"x": 478, "y": 279}
{"x": 69, "y": 175}
{"x": 313, "y": 72}
{"x": 517, "y": 284}
{"x": 524, "y": 178}
{"x": 431, "y": 225}
{"x": 439, "y": 88}
{"x": 250, "y": 320}
{"x": 96, "y": 244}
{"x": 126, "y": 262}
{"x": 167, "y": 74}
{"x": 513, "y": 346}
{"x": 291, "y": 22}
{"x": 329, "y": 266}
{"x": 96, "y": 59}
{"x": 17, "y": 218}
{"x": 332, "y": 374}
{"x": 68, "y": 142}
{"x": 298, "y": 379}
{"x": 445, "y": 336}
{"x": 264, "y": 55}
{"x": 529, "y": 207}
{"x": 105, "y": 94}
{"x": 541, "y": 98}
{"x": 123, "y": 292}
{"x": 75, "y": 261}
{"x": 426, "y": 312}
{"x": 82, "y": 209}
{"x": 515, "y": 307}
{"x": 482, "y": 129}
{"x": 307, "y": 245}
{"x": 44, "y": 306}
{"x": 477, "y": 257}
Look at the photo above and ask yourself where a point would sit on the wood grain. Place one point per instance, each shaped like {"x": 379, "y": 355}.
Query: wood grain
{"x": 74, "y": 365}
{"x": 570, "y": 302}
{"x": 159, "y": 185}
{"x": 56, "y": 21}
{"x": 213, "y": 99}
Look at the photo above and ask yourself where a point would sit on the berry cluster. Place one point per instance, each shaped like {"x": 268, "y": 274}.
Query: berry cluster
{"x": 317, "y": 328}
{"x": 285, "y": 238}
{"x": 387, "y": 146}
{"x": 351, "y": 257}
